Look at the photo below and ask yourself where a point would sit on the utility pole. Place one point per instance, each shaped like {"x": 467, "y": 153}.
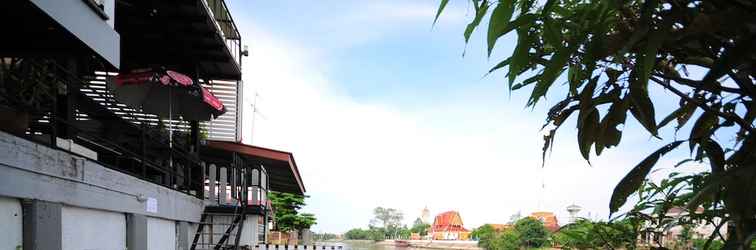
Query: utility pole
{"x": 255, "y": 112}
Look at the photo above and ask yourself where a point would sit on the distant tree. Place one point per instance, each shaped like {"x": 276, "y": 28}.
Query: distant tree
{"x": 286, "y": 210}
{"x": 420, "y": 228}
{"x": 507, "y": 240}
{"x": 389, "y": 219}
{"x": 357, "y": 234}
{"x": 531, "y": 231}
{"x": 615, "y": 56}
{"x": 485, "y": 235}
{"x": 585, "y": 234}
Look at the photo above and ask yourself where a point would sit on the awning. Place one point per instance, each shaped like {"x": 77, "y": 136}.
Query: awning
{"x": 282, "y": 169}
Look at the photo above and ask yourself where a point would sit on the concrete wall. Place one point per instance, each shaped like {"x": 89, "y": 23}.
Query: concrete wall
{"x": 32, "y": 171}
{"x": 85, "y": 24}
{"x": 93, "y": 229}
{"x": 161, "y": 234}
{"x": 11, "y": 221}
{"x": 74, "y": 203}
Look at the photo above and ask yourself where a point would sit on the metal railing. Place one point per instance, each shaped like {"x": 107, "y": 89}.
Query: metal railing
{"x": 134, "y": 147}
{"x": 222, "y": 16}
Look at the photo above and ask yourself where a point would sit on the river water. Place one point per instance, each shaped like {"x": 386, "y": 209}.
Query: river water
{"x": 369, "y": 245}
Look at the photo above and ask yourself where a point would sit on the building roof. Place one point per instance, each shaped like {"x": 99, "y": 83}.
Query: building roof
{"x": 449, "y": 221}
{"x": 548, "y": 218}
{"x": 282, "y": 169}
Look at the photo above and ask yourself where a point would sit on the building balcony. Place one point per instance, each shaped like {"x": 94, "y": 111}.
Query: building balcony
{"x": 197, "y": 37}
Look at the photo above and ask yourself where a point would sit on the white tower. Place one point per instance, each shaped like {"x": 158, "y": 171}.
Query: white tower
{"x": 573, "y": 210}
{"x": 425, "y": 216}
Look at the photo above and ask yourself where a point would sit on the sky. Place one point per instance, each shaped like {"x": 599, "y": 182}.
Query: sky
{"x": 380, "y": 108}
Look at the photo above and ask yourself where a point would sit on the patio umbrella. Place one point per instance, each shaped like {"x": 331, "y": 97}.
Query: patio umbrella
{"x": 168, "y": 94}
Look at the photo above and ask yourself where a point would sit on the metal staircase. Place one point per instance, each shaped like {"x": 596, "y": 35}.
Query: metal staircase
{"x": 218, "y": 230}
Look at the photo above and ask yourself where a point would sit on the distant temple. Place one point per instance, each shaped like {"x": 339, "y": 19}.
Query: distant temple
{"x": 425, "y": 216}
{"x": 449, "y": 226}
{"x": 548, "y": 218}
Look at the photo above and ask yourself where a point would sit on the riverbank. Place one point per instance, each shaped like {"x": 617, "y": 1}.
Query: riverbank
{"x": 437, "y": 244}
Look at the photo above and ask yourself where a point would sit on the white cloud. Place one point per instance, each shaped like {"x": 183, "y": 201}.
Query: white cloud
{"x": 466, "y": 154}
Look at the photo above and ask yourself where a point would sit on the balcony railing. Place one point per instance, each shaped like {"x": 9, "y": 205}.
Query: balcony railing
{"x": 227, "y": 27}
{"x": 84, "y": 119}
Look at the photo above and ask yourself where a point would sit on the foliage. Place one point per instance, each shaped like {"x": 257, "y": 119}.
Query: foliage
{"x": 485, "y": 235}
{"x": 507, "y": 240}
{"x": 531, "y": 232}
{"x": 585, "y": 234}
{"x": 420, "y": 228}
{"x": 27, "y": 84}
{"x": 286, "y": 212}
{"x": 324, "y": 236}
{"x": 388, "y": 218}
{"x": 375, "y": 234}
{"x": 616, "y": 55}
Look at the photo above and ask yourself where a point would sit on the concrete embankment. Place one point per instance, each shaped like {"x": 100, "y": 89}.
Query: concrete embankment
{"x": 438, "y": 244}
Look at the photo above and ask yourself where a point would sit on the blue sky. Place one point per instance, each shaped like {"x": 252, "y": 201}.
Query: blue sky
{"x": 381, "y": 109}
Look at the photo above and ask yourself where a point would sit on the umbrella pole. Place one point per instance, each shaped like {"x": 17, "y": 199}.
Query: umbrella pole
{"x": 170, "y": 135}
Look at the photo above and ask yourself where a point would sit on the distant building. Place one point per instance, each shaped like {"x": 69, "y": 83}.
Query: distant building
{"x": 573, "y": 210}
{"x": 449, "y": 226}
{"x": 501, "y": 227}
{"x": 425, "y": 215}
{"x": 669, "y": 237}
{"x": 548, "y": 218}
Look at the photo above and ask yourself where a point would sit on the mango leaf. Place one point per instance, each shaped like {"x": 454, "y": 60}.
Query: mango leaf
{"x": 702, "y": 128}
{"x": 498, "y": 24}
{"x": 731, "y": 57}
{"x": 632, "y": 181}
{"x": 550, "y": 73}
{"x": 712, "y": 186}
{"x": 688, "y": 109}
{"x": 499, "y": 65}
{"x": 642, "y": 107}
{"x": 479, "y": 13}
{"x": 715, "y": 154}
{"x": 679, "y": 113}
{"x": 680, "y": 163}
{"x": 440, "y": 9}
{"x": 587, "y": 132}
{"x": 519, "y": 58}
{"x": 610, "y": 136}
{"x": 526, "y": 82}
{"x": 552, "y": 35}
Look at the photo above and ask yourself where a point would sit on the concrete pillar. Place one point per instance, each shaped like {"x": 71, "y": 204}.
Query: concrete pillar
{"x": 42, "y": 225}
{"x": 136, "y": 232}
{"x": 184, "y": 240}
{"x": 222, "y": 182}
{"x": 213, "y": 186}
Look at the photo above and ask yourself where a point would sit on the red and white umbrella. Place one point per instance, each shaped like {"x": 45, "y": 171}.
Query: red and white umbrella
{"x": 168, "y": 94}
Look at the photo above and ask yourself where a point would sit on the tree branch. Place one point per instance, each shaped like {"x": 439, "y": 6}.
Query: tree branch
{"x": 699, "y": 84}
{"x": 728, "y": 116}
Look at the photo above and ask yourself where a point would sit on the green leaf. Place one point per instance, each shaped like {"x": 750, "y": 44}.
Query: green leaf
{"x": 499, "y": 65}
{"x": 552, "y": 35}
{"x": 526, "y": 82}
{"x": 440, "y": 9}
{"x": 479, "y": 13}
{"x": 713, "y": 184}
{"x": 550, "y": 73}
{"x": 519, "y": 58}
{"x": 610, "y": 135}
{"x": 499, "y": 22}
{"x": 633, "y": 180}
{"x": 685, "y": 110}
{"x": 702, "y": 128}
{"x": 715, "y": 154}
{"x": 642, "y": 108}
{"x": 731, "y": 57}
{"x": 688, "y": 109}
{"x": 587, "y": 132}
